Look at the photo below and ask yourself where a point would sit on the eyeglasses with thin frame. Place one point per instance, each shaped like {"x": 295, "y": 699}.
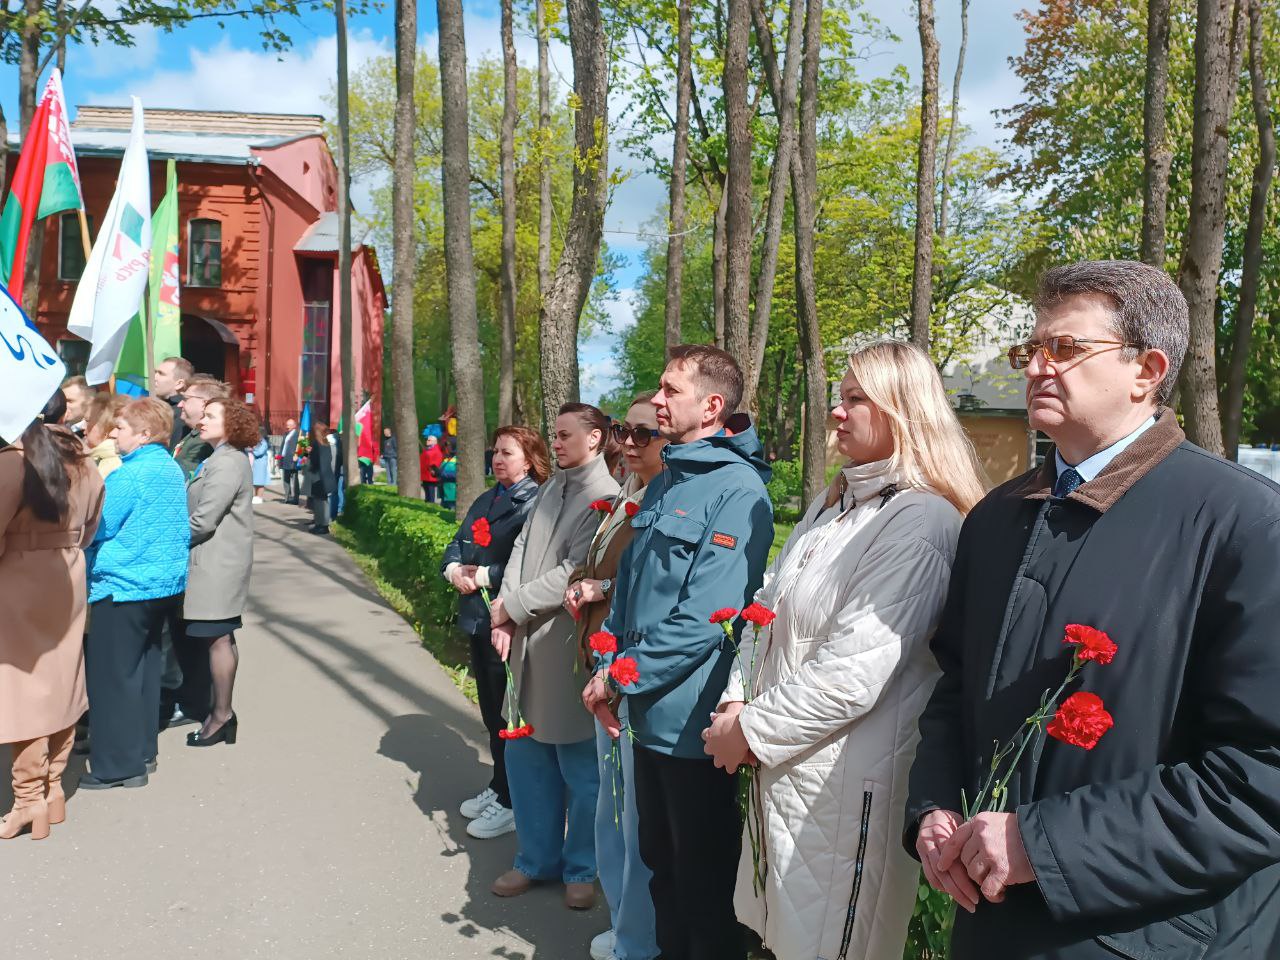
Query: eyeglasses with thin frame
{"x": 1056, "y": 349}
{"x": 640, "y": 436}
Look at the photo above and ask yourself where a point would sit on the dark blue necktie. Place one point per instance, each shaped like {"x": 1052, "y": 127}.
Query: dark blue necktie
{"x": 1068, "y": 480}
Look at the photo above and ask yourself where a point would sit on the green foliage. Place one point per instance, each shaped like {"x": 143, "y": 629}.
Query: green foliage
{"x": 786, "y": 488}
{"x": 408, "y": 539}
{"x": 929, "y": 933}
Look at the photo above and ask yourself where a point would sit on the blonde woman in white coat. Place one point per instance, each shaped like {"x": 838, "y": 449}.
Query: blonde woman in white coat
{"x": 842, "y": 675}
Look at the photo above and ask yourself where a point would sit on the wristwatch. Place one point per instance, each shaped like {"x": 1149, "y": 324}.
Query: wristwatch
{"x": 606, "y": 585}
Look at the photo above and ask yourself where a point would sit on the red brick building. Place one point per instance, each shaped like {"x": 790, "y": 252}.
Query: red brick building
{"x": 259, "y": 255}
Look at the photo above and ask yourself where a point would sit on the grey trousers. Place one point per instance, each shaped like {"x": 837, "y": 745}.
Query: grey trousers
{"x": 320, "y": 511}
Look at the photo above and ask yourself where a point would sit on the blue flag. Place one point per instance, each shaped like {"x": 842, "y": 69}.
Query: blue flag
{"x": 304, "y": 422}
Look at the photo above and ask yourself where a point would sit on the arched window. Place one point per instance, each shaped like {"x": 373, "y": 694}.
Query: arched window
{"x": 204, "y": 253}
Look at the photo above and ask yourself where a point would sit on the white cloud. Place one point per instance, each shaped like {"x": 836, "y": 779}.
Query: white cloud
{"x": 228, "y": 77}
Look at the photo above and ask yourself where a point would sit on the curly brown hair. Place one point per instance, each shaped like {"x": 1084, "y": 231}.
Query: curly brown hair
{"x": 239, "y": 423}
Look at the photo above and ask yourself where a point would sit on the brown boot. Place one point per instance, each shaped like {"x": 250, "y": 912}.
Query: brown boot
{"x": 579, "y": 896}
{"x": 59, "y": 751}
{"x": 30, "y": 773}
{"x": 511, "y": 884}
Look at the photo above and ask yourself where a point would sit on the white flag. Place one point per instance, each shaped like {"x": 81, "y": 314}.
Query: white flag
{"x": 115, "y": 277}
{"x": 29, "y": 369}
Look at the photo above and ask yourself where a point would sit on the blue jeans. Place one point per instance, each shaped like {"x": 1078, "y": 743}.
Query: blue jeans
{"x": 390, "y": 464}
{"x": 553, "y": 797}
{"x": 338, "y": 499}
{"x": 623, "y": 875}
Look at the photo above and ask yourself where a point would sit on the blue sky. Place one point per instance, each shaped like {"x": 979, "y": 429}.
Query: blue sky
{"x": 208, "y": 67}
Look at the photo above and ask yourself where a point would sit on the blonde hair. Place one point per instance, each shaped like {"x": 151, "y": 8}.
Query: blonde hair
{"x": 929, "y": 445}
{"x": 149, "y": 415}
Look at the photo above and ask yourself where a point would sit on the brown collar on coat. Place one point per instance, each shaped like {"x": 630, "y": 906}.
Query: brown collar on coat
{"x": 1105, "y": 490}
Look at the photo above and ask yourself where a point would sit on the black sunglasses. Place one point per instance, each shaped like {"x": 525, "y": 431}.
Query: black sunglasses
{"x": 640, "y": 436}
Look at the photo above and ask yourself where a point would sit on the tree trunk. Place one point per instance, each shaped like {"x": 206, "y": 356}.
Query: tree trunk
{"x": 464, "y": 328}
{"x": 718, "y": 266}
{"x": 345, "y": 345}
{"x": 507, "y": 149}
{"x": 1218, "y": 27}
{"x": 1158, "y": 157}
{"x": 544, "y": 180}
{"x": 782, "y": 90}
{"x": 1263, "y": 172}
{"x": 679, "y": 165}
{"x": 804, "y": 183}
{"x": 738, "y": 219}
{"x": 926, "y": 174}
{"x": 28, "y": 77}
{"x": 577, "y": 267}
{"x": 405, "y": 411}
{"x": 953, "y": 128}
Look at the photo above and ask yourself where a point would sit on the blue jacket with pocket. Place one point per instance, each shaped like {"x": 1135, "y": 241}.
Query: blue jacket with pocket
{"x": 701, "y": 543}
{"x": 143, "y": 542}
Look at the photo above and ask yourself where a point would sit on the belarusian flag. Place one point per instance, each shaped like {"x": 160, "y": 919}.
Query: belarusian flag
{"x": 45, "y": 182}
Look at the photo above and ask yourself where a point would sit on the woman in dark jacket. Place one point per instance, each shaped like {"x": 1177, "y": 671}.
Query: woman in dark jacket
{"x": 324, "y": 478}
{"x": 520, "y": 464}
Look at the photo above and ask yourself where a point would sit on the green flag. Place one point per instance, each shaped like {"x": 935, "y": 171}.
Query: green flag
{"x": 162, "y": 289}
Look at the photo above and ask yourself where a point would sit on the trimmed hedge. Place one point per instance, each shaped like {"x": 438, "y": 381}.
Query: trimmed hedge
{"x": 408, "y": 539}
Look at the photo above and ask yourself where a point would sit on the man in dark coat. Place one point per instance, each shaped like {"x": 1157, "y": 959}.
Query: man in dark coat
{"x": 1162, "y": 841}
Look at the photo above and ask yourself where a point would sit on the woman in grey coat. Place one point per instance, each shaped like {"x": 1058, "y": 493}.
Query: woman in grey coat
{"x": 552, "y": 773}
{"x": 220, "y": 501}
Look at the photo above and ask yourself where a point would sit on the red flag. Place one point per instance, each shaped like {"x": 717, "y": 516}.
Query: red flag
{"x": 24, "y": 200}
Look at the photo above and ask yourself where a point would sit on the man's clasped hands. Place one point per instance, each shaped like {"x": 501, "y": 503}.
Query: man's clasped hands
{"x": 982, "y": 857}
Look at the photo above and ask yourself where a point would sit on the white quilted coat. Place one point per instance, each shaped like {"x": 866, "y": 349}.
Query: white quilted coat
{"x": 840, "y": 679}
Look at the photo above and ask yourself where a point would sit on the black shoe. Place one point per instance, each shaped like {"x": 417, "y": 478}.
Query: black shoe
{"x": 225, "y": 734}
{"x": 322, "y": 531}
{"x": 89, "y": 782}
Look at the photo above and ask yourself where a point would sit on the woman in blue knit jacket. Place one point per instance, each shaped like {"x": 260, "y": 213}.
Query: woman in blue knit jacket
{"x": 137, "y": 574}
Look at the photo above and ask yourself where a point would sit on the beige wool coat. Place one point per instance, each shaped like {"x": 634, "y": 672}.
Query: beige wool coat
{"x": 220, "y": 501}
{"x": 544, "y": 651}
{"x": 43, "y": 603}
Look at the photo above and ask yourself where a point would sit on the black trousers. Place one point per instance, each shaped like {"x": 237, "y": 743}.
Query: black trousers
{"x": 491, "y": 689}
{"x": 290, "y": 485}
{"x": 690, "y": 837}
{"x": 122, "y": 672}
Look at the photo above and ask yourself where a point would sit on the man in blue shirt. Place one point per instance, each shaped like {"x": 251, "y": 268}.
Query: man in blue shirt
{"x": 701, "y": 544}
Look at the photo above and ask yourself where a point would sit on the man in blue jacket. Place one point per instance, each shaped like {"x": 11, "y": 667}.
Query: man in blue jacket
{"x": 701, "y": 543}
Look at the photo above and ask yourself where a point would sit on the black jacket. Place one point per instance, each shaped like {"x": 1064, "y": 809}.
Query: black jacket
{"x": 1162, "y": 842}
{"x": 320, "y": 461}
{"x": 506, "y": 516}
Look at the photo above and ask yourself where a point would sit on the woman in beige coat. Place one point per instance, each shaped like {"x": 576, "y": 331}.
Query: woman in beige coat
{"x": 99, "y": 419}
{"x": 552, "y": 773}
{"x": 50, "y": 502}
{"x": 841, "y": 676}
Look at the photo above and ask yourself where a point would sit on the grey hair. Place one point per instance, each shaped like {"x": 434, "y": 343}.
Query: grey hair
{"x": 1147, "y": 307}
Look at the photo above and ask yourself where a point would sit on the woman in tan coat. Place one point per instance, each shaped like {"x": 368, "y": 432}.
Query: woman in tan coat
{"x": 50, "y": 502}
{"x": 623, "y": 875}
{"x": 99, "y": 420}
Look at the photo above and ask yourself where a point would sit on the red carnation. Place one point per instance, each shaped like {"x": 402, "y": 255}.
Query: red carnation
{"x": 603, "y": 643}
{"x": 604, "y": 506}
{"x": 516, "y": 733}
{"x": 724, "y": 615}
{"x": 1081, "y": 720}
{"x": 480, "y": 533}
{"x": 1091, "y": 643}
{"x": 624, "y": 671}
{"x": 759, "y": 614}
{"x": 632, "y": 509}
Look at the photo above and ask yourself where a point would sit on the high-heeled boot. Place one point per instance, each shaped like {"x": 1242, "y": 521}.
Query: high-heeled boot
{"x": 30, "y": 774}
{"x": 59, "y": 750}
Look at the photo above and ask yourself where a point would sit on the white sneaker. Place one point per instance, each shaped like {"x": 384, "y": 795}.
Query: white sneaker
{"x": 476, "y": 805}
{"x": 602, "y": 946}
{"x": 494, "y": 822}
{"x": 257, "y": 499}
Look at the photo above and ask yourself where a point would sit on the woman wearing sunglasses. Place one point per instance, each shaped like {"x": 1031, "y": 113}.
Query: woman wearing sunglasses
{"x": 623, "y": 875}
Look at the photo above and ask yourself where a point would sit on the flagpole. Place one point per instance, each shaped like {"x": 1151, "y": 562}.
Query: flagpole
{"x": 84, "y": 234}
{"x": 148, "y": 335}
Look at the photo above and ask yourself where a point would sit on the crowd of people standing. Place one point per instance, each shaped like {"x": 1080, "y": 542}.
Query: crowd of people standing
{"x": 127, "y": 543}
{"x": 642, "y": 656}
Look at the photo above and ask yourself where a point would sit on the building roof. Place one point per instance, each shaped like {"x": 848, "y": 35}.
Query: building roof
{"x": 322, "y": 236}
{"x": 199, "y": 136}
